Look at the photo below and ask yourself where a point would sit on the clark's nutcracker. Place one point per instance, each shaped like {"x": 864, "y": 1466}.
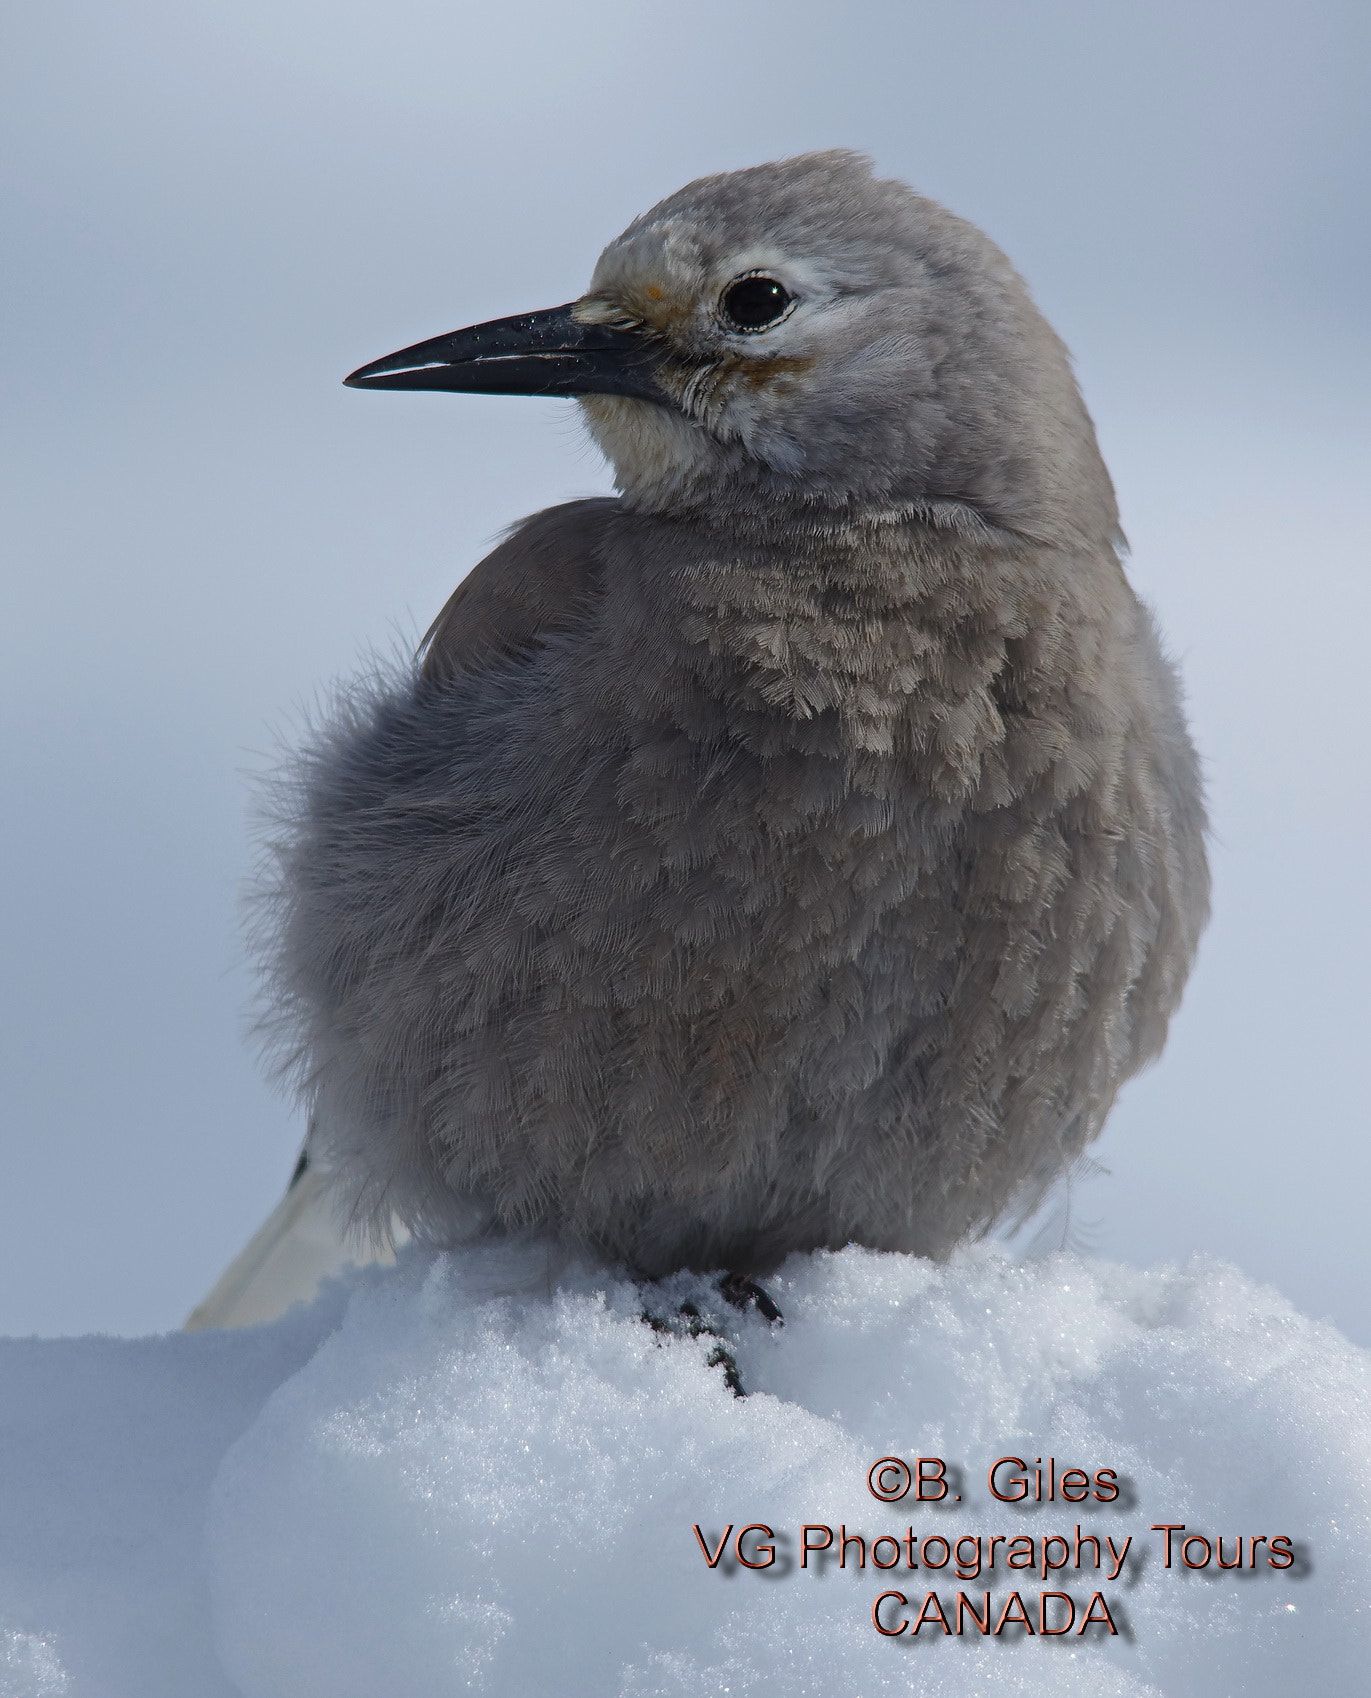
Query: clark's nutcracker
{"x": 799, "y": 848}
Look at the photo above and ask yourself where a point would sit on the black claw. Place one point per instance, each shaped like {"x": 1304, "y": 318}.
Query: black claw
{"x": 739, "y": 1292}
{"x": 692, "y": 1324}
{"x": 742, "y": 1292}
{"x": 721, "y": 1357}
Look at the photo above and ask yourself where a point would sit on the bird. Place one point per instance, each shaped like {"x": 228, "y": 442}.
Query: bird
{"x": 799, "y": 847}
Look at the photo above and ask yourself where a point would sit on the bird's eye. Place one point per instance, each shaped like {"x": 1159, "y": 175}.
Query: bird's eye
{"x": 755, "y": 303}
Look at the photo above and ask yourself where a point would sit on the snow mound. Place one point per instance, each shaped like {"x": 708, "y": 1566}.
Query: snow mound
{"x": 498, "y": 1494}
{"x": 471, "y": 1474}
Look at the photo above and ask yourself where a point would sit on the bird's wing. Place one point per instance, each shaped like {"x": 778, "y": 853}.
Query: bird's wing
{"x": 535, "y": 584}
{"x": 529, "y": 588}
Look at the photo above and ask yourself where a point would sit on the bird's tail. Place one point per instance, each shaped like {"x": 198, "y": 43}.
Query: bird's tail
{"x": 301, "y": 1243}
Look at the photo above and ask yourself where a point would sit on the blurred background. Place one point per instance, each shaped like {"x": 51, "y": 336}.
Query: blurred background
{"x": 212, "y": 212}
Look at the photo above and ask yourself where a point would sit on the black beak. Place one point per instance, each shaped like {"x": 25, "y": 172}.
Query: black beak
{"x": 538, "y": 353}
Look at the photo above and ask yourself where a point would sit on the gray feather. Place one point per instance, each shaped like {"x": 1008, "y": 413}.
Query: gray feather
{"x": 803, "y": 847}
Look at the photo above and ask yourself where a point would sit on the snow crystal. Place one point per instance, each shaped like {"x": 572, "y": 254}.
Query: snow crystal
{"x": 478, "y": 1473}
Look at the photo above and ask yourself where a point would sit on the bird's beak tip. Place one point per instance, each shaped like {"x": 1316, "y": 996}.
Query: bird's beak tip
{"x": 541, "y": 353}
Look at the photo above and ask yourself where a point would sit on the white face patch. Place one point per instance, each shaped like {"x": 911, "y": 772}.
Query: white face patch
{"x": 809, "y": 280}
{"x": 655, "y": 451}
{"x": 732, "y": 383}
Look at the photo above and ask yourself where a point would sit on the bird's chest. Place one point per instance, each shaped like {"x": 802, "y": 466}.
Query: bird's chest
{"x": 752, "y": 878}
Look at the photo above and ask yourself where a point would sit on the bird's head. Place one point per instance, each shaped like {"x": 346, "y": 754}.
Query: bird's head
{"x": 805, "y": 335}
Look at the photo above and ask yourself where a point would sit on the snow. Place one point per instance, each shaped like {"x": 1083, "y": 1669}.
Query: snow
{"x": 480, "y": 1473}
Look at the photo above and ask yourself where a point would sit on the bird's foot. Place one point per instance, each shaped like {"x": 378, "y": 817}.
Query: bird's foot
{"x": 744, "y": 1293}
{"x": 688, "y": 1322}
{"x": 739, "y": 1292}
